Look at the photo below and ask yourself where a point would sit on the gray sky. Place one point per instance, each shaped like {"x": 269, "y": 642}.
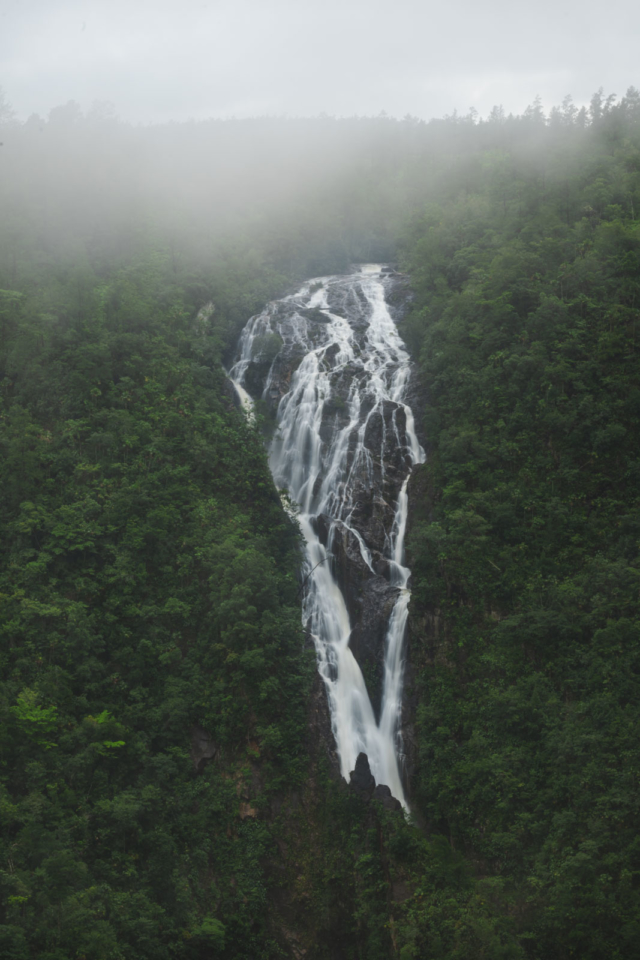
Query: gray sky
{"x": 175, "y": 59}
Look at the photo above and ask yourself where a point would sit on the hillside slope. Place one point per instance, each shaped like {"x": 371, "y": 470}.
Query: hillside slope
{"x": 526, "y": 629}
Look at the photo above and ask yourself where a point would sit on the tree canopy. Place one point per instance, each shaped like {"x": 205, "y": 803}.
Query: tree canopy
{"x": 163, "y": 788}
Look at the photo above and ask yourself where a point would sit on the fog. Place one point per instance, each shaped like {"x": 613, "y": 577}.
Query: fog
{"x": 306, "y": 196}
{"x": 295, "y": 136}
{"x": 281, "y": 126}
{"x": 164, "y": 60}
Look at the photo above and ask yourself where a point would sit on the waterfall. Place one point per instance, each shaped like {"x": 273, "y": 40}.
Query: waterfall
{"x": 330, "y": 362}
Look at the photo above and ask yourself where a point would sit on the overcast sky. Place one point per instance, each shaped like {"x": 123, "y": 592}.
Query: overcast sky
{"x": 174, "y": 59}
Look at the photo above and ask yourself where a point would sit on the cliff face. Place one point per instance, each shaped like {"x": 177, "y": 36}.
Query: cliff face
{"x": 326, "y": 366}
{"x": 376, "y": 460}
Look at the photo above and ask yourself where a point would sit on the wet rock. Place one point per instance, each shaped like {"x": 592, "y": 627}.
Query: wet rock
{"x": 361, "y": 781}
{"x": 348, "y": 565}
{"x": 373, "y": 518}
{"x": 383, "y": 795}
{"x": 321, "y": 741}
{"x": 398, "y": 295}
{"x": 368, "y": 635}
{"x": 316, "y": 315}
{"x": 255, "y": 377}
{"x": 322, "y": 526}
{"x": 373, "y": 436}
{"x": 381, "y": 567}
{"x": 363, "y": 784}
{"x": 231, "y": 393}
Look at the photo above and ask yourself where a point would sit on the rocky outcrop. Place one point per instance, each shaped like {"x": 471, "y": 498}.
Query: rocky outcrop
{"x": 376, "y": 602}
{"x": 382, "y": 794}
{"x": 398, "y": 295}
{"x": 363, "y": 785}
{"x": 321, "y": 741}
{"x": 361, "y": 781}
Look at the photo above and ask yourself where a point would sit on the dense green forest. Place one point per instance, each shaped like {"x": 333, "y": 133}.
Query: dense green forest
{"x": 525, "y": 547}
{"x": 165, "y": 791}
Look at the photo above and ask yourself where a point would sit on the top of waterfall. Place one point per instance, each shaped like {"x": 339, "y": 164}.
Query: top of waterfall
{"x": 370, "y": 267}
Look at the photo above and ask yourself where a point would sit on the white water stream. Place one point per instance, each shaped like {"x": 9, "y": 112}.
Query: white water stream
{"x": 348, "y": 356}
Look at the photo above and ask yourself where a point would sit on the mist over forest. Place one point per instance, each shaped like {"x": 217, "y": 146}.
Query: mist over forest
{"x": 301, "y": 196}
{"x": 170, "y": 772}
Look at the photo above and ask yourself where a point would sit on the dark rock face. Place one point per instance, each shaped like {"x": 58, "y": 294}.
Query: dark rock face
{"x": 398, "y": 295}
{"x": 231, "y": 393}
{"x": 375, "y": 605}
{"x": 363, "y": 785}
{"x": 361, "y": 780}
{"x": 382, "y": 794}
{"x": 320, "y": 736}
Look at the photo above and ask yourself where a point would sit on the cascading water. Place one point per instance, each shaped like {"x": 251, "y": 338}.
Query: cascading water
{"x": 331, "y": 360}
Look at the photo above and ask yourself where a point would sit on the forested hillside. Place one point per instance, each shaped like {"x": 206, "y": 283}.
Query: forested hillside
{"x": 526, "y": 530}
{"x": 165, "y": 787}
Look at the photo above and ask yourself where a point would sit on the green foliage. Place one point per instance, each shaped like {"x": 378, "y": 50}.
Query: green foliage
{"x": 525, "y": 542}
{"x": 356, "y": 875}
{"x": 147, "y": 584}
{"x": 33, "y": 720}
{"x": 148, "y": 592}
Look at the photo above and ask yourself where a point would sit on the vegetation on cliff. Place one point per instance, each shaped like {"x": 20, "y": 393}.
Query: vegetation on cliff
{"x": 526, "y": 535}
{"x": 147, "y": 585}
{"x": 162, "y": 792}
